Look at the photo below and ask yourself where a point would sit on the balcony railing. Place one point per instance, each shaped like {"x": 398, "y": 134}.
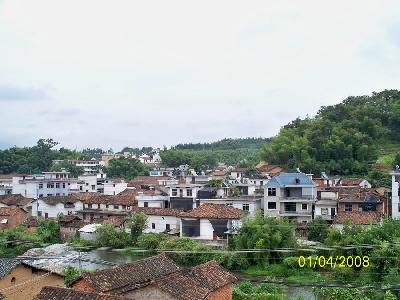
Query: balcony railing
{"x": 295, "y": 212}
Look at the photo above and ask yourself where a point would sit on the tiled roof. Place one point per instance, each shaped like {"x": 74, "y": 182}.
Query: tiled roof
{"x": 54, "y": 200}
{"x": 351, "y": 181}
{"x": 158, "y": 211}
{"x": 360, "y": 195}
{"x": 8, "y": 176}
{"x": 126, "y": 277}
{"x": 11, "y": 211}
{"x": 14, "y": 200}
{"x": 6, "y": 265}
{"x": 290, "y": 179}
{"x": 219, "y": 173}
{"x": 196, "y": 283}
{"x": 214, "y": 211}
{"x": 97, "y": 198}
{"x": 147, "y": 180}
{"x": 358, "y": 217}
{"x": 56, "y": 293}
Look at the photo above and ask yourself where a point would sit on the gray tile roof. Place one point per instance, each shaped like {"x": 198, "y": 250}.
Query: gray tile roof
{"x": 289, "y": 179}
{"x": 6, "y": 265}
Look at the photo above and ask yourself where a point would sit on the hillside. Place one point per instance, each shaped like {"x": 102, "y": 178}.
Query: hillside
{"x": 226, "y": 144}
{"x": 348, "y": 138}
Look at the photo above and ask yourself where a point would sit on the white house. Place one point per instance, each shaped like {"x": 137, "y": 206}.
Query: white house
{"x": 326, "y": 205}
{"x": 50, "y": 207}
{"x": 210, "y": 222}
{"x": 183, "y": 196}
{"x": 395, "y": 194}
{"x": 291, "y": 195}
{"x": 114, "y": 187}
{"x": 89, "y": 232}
{"x": 5, "y": 184}
{"x": 161, "y": 219}
{"x": 152, "y": 198}
{"x": 42, "y": 185}
{"x": 90, "y": 167}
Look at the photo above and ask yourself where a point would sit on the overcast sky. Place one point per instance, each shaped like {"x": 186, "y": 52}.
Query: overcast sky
{"x": 116, "y": 73}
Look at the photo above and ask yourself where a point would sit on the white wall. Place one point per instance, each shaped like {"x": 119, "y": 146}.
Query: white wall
{"x": 160, "y": 223}
{"x": 111, "y": 188}
{"x": 53, "y": 210}
{"x": 395, "y": 198}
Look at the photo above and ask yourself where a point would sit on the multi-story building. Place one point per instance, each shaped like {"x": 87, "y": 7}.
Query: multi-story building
{"x": 6, "y": 184}
{"x": 290, "y": 195}
{"x": 114, "y": 186}
{"x": 42, "y": 185}
{"x": 91, "y": 166}
{"x": 183, "y": 196}
{"x": 395, "y": 194}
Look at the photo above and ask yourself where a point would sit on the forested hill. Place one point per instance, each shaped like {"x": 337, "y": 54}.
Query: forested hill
{"x": 226, "y": 144}
{"x": 347, "y": 138}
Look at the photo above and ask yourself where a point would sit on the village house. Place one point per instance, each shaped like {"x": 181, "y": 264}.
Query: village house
{"x": 84, "y": 184}
{"x": 395, "y": 205}
{"x": 326, "y": 205}
{"x": 56, "y": 293}
{"x": 43, "y": 185}
{"x": 152, "y": 198}
{"x": 210, "y": 222}
{"x": 19, "y": 280}
{"x": 106, "y": 157}
{"x": 266, "y": 170}
{"x": 52, "y": 206}
{"x": 151, "y": 181}
{"x": 247, "y": 200}
{"x": 165, "y": 172}
{"x": 183, "y": 196}
{"x": 159, "y": 220}
{"x": 12, "y": 216}
{"x": 90, "y": 167}
{"x": 114, "y": 186}
{"x": 101, "y": 207}
{"x": 160, "y": 278}
{"x": 11, "y": 200}
{"x": 291, "y": 195}
{"x": 69, "y": 224}
{"x": 353, "y": 182}
{"x": 360, "y": 206}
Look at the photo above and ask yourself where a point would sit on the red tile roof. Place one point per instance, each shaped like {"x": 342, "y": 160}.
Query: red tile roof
{"x": 56, "y": 293}
{"x": 350, "y": 181}
{"x": 127, "y": 277}
{"x": 214, "y": 211}
{"x": 196, "y": 283}
{"x": 159, "y": 211}
{"x": 147, "y": 180}
{"x": 359, "y": 217}
{"x": 14, "y": 200}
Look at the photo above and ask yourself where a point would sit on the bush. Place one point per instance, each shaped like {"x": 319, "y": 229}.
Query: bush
{"x": 151, "y": 241}
{"x": 70, "y": 275}
{"x": 109, "y": 236}
{"x": 247, "y": 291}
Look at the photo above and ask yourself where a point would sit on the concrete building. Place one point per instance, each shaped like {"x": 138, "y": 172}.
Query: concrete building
{"x": 114, "y": 186}
{"x": 42, "y": 185}
{"x": 52, "y": 206}
{"x": 159, "y": 220}
{"x": 290, "y": 195}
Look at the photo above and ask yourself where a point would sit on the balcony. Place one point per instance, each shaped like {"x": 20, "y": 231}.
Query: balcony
{"x": 297, "y": 199}
{"x": 290, "y": 213}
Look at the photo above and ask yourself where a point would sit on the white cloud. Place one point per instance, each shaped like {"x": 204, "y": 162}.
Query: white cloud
{"x": 162, "y": 72}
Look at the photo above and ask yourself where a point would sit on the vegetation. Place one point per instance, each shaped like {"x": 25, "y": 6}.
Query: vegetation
{"x": 109, "y": 236}
{"x": 49, "y": 231}
{"x": 70, "y": 275}
{"x": 226, "y": 144}
{"x": 247, "y": 291}
{"x": 318, "y": 229}
{"x": 125, "y": 168}
{"x": 136, "y": 224}
{"x": 74, "y": 171}
{"x": 341, "y": 139}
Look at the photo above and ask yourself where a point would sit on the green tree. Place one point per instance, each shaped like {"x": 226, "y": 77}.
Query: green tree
{"x": 109, "y": 236}
{"x": 49, "y": 231}
{"x": 136, "y": 224}
{"x": 70, "y": 274}
{"x": 125, "y": 168}
{"x": 74, "y": 171}
{"x": 318, "y": 230}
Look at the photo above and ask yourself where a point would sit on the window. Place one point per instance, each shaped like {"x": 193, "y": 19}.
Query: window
{"x": 39, "y": 213}
{"x": 98, "y": 205}
{"x": 107, "y": 205}
{"x": 167, "y": 227}
{"x": 174, "y": 192}
{"x": 40, "y": 185}
{"x": 57, "y": 185}
{"x": 146, "y": 204}
{"x": 271, "y": 205}
{"x": 80, "y": 188}
{"x": 57, "y": 194}
{"x": 63, "y": 185}
{"x": 304, "y": 206}
{"x": 46, "y": 215}
{"x": 13, "y": 280}
{"x": 116, "y": 206}
{"x": 348, "y": 207}
{"x": 271, "y": 191}
{"x": 93, "y": 187}
{"x": 40, "y": 195}
{"x": 229, "y": 204}
{"x": 123, "y": 206}
{"x": 90, "y": 205}
{"x": 153, "y": 225}
{"x": 87, "y": 184}
{"x": 324, "y": 211}
{"x": 261, "y": 183}
{"x": 189, "y": 192}
{"x": 246, "y": 207}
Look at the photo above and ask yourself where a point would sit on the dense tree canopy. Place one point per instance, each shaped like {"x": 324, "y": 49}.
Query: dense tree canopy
{"x": 125, "y": 168}
{"x": 341, "y": 139}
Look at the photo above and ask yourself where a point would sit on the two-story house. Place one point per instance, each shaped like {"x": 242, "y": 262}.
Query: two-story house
{"x": 183, "y": 196}
{"x": 290, "y": 195}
